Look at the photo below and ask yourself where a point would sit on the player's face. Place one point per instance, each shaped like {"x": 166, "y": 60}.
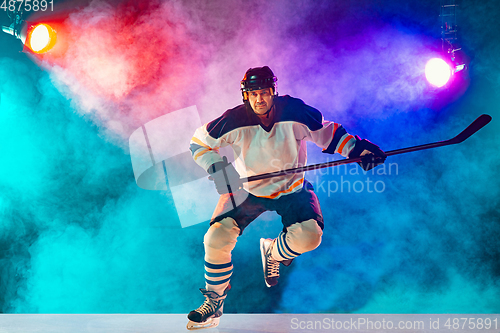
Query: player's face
{"x": 261, "y": 100}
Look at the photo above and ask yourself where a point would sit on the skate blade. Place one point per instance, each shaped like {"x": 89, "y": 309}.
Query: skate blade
{"x": 210, "y": 323}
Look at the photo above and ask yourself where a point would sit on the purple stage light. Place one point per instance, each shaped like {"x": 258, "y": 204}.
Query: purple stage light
{"x": 437, "y": 72}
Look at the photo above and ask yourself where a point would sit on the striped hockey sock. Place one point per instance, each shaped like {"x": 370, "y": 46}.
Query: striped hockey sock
{"x": 281, "y": 249}
{"x": 217, "y": 276}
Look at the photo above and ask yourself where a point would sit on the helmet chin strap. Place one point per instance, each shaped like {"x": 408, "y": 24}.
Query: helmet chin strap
{"x": 268, "y": 111}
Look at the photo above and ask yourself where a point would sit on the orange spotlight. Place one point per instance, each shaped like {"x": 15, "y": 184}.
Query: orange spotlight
{"x": 41, "y": 38}
{"x": 37, "y": 38}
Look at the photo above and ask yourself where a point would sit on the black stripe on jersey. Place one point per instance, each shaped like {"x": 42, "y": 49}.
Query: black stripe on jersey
{"x": 230, "y": 120}
{"x": 287, "y": 109}
{"x": 294, "y": 109}
{"x": 339, "y": 133}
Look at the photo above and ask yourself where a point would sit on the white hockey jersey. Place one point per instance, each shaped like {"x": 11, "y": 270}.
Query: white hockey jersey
{"x": 281, "y": 145}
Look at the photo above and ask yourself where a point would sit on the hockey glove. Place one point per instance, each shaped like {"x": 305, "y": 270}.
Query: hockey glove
{"x": 371, "y": 154}
{"x": 225, "y": 177}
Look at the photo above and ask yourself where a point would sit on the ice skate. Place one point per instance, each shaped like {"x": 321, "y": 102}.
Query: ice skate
{"x": 208, "y": 314}
{"x": 271, "y": 267}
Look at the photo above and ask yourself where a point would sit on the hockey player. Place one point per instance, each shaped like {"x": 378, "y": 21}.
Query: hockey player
{"x": 267, "y": 133}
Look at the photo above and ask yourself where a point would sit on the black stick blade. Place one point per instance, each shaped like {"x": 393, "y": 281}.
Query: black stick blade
{"x": 476, "y": 125}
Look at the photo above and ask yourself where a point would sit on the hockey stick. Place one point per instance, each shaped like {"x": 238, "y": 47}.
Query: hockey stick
{"x": 476, "y": 125}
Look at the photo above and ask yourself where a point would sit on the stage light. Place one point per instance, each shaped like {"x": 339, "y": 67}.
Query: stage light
{"x": 41, "y": 38}
{"x": 437, "y": 72}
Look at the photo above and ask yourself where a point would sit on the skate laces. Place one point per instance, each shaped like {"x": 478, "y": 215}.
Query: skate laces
{"x": 206, "y": 308}
{"x": 273, "y": 266}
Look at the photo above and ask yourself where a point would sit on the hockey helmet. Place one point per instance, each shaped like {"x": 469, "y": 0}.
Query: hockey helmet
{"x": 258, "y": 78}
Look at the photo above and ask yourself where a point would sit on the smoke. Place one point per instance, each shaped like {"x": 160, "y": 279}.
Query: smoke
{"x": 78, "y": 235}
{"x": 126, "y": 61}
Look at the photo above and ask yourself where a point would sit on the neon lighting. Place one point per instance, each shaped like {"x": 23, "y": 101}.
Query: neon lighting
{"x": 437, "y": 72}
